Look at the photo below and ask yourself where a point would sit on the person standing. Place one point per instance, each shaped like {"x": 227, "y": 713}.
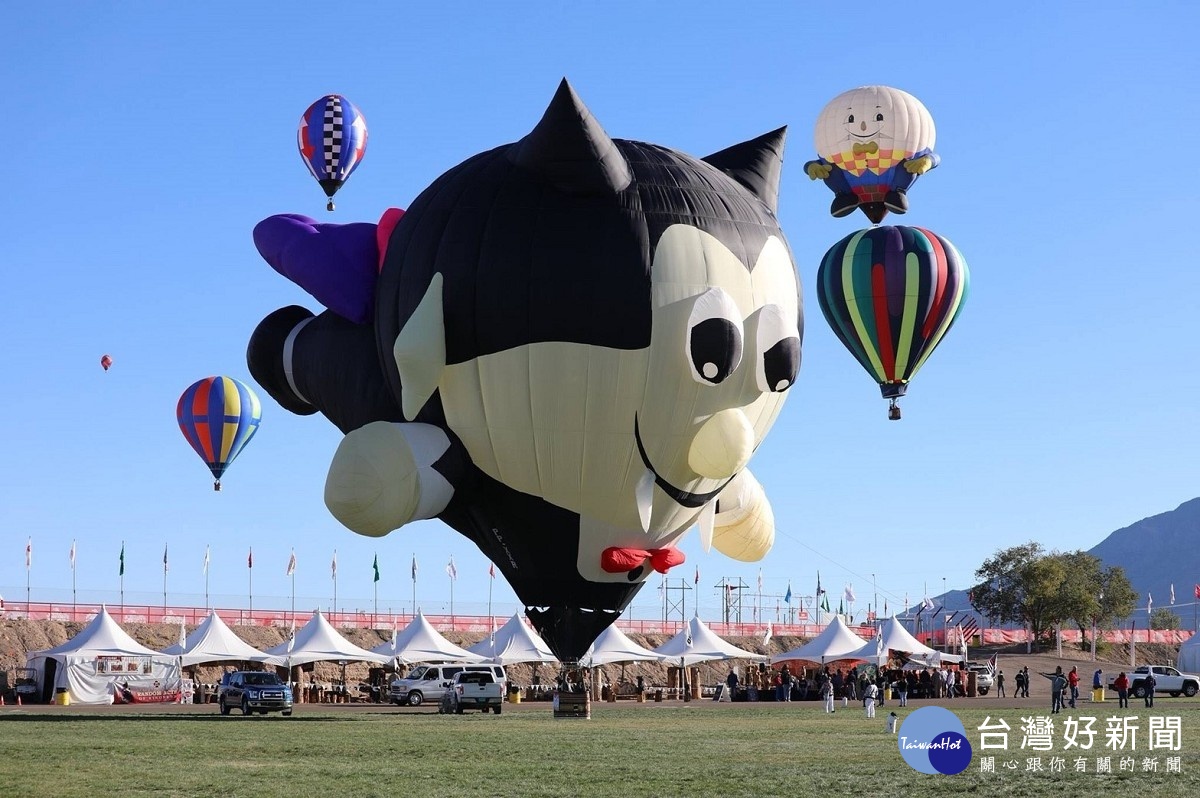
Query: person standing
{"x": 1025, "y": 672}
{"x": 902, "y": 689}
{"x": 1020, "y": 683}
{"x": 1058, "y": 683}
{"x": 1121, "y": 685}
{"x": 1073, "y": 683}
{"x": 827, "y": 695}
{"x": 1000, "y": 684}
{"x": 869, "y": 696}
{"x": 1148, "y": 685}
{"x": 731, "y": 681}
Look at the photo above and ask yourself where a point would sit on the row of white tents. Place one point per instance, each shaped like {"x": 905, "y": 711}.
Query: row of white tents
{"x": 102, "y": 656}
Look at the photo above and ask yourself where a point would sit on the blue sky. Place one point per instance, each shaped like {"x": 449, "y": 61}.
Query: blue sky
{"x": 150, "y": 138}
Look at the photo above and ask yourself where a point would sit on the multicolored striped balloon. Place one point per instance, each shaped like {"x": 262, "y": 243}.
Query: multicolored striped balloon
{"x": 891, "y": 294}
{"x": 332, "y": 139}
{"x": 218, "y": 416}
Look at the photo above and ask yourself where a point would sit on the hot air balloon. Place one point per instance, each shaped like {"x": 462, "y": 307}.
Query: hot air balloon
{"x": 218, "y": 416}
{"x": 567, "y": 349}
{"x": 105, "y": 362}
{"x": 332, "y": 139}
{"x": 890, "y": 294}
{"x": 873, "y": 143}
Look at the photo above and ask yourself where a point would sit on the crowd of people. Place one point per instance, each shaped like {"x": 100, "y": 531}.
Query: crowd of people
{"x": 831, "y": 684}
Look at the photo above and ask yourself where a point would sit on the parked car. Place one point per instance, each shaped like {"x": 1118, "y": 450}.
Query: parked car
{"x": 983, "y": 678}
{"x": 472, "y": 690}
{"x": 1167, "y": 680}
{"x": 430, "y": 682}
{"x": 254, "y": 691}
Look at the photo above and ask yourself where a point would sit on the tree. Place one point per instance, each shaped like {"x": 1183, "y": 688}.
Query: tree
{"x": 1092, "y": 593}
{"x": 1163, "y": 618}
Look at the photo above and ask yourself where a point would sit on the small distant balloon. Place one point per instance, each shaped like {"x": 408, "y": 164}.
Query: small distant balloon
{"x": 332, "y": 139}
{"x": 218, "y": 416}
{"x": 105, "y": 362}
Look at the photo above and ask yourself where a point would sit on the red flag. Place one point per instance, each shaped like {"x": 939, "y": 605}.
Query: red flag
{"x": 1197, "y": 591}
{"x": 492, "y": 570}
{"x": 250, "y": 558}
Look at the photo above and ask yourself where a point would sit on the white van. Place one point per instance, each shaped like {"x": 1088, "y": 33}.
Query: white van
{"x": 429, "y": 682}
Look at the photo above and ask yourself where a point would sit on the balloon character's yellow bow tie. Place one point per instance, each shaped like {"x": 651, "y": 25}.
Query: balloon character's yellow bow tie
{"x": 864, "y": 149}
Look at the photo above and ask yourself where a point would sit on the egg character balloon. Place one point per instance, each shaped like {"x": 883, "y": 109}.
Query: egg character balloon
{"x": 567, "y": 349}
{"x": 873, "y": 143}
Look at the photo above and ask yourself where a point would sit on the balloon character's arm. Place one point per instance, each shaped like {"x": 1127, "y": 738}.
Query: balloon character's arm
{"x": 744, "y": 527}
{"x": 921, "y": 162}
{"x": 818, "y": 169}
{"x": 385, "y": 475}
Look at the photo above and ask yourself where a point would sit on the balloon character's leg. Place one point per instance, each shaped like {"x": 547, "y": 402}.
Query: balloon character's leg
{"x": 844, "y": 200}
{"x": 893, "y": 411}
{"x": 896, "y": 199}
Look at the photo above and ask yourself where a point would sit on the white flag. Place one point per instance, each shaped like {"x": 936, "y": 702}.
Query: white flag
{"x": 879, "y": 646}
{"x": 72, "y": 555}
{"x": 1172, "y": 594}
{"x": 451, "y": 571}
{"x": 333, "y": 565}
{"x": 849, "y": 594}
{"x": 291, "y": 569}
{"x": 182, "y": 637}
{"x": 206, "y": 559}
{"x": 1149, "y": 603}
{"x": 767, "y": 636}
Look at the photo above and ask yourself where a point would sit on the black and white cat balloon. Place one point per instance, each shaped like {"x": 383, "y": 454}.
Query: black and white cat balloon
{"x": 567, "y": 349}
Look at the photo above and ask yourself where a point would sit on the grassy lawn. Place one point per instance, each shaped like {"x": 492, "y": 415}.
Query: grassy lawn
{"x": 696, "y": 750}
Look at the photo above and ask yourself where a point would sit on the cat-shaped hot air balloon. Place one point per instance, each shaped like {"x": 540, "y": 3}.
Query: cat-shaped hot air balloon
{"x": 567, "y": 349}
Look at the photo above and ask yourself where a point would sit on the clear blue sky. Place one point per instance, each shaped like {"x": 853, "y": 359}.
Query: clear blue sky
{"x": 145, "y": 140}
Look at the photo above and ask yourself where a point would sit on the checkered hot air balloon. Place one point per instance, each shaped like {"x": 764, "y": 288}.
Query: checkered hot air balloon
{"x": 218, "y": 416}
{"x": 332, "y": 139}
{"x": 890, "y": 294}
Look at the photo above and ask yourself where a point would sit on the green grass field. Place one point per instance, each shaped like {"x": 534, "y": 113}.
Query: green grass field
{"x": 696, "y": 750}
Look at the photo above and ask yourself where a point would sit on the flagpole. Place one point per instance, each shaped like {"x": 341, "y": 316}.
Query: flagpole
{"x": 414, "y": 578}
{"x": 293, "y": 598}
{"x": 74, "y": 599}
{"x": 334, "y": 569}
{"x": 164, "y": 583}
{"x": 28, "y": 568}
{"x": 122, "y": 575}
{"x": 206, "y": 576}
{"x": 250, "y": 572}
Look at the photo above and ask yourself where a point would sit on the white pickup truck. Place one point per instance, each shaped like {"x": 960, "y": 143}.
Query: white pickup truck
{"x": 1167, "y": 680}
{"x": 472, "y": 690}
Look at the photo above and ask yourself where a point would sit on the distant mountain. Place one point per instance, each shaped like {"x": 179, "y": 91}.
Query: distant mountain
{"x": 1158, "y": 552}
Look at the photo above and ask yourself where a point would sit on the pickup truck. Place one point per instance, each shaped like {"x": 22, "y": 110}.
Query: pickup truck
{"x": 254, "y": 691}
{"x": 472, "y": 690}
{"x": 1167, "y": 680}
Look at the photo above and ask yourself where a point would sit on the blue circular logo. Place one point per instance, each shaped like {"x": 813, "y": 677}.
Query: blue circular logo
{"x": 933, "y": 740}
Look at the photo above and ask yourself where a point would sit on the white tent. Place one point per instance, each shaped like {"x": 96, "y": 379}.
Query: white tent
{"x": 613, "y": 645}
{"x": 697, "y": 643}
{"x": 92, "y": 664}
{"x": 420, "y": 642}
{"x": 837, "y": 641}
{"x": 514, "y": 642}
{"x": 318, "y": 641}
{"x": 1188, "y": 660}
{"x": 213, "y": 641}
{"x": 897, "y": 638}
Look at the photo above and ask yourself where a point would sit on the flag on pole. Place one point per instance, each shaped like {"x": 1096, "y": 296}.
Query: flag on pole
{"x": 849, "y": 594}
{"x": 841, "y": 608}
{"x": 879, "y": 653}
{"x": 993, "y": 662}
{"x": 1172, "y": 594}
{"x": 121, "y": 570}
{"x": 824, "y": 601}
{"x": 820, "y": 589}
{"x": 375, "y": 565}
{"x": 206, "y": 560}
{"x": 697, "y": 574}
{"x": 414, "y": 568}
{"x": 787, "y": 597}
{"x": 1197, "y": 591}
{"x": 1149, "y": 603}
{"x": 166, "y": 567}
{"x": 333, "y": 565}
{"x": 451, "y": 571}
{"x": 767, "y": 636}
{"x": 72, "y": 555}
{"x": 492, "y": 570}
{"x": 29, "y": 554}
{"x": 291, "y": 569}
{"x": 927, "y": 603}
{"x": 885, "y": 612}
{"x": 906, "y": 603}
{"x": 759, "y": 580}
{"x": 182, "y": 637}
{"x": 250, "y": 558}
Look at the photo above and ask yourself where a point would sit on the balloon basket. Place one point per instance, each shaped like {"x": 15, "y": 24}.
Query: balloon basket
{"x": 217, "y": 486}
{"x": 893, "y": 411}
{"x": 572, "y": 705}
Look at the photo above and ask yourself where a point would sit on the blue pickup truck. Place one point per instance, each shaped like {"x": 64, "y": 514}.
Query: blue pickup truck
{"x": 254, "y": 691}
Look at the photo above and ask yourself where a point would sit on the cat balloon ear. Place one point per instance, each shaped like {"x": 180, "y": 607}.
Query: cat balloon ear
{"x": 756, "y": 164}
{"x": 570, "y": 149}
{"x": 337, "y": 263}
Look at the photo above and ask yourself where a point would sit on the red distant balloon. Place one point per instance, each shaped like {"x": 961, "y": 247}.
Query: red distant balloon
{"x": 106, "y": 361}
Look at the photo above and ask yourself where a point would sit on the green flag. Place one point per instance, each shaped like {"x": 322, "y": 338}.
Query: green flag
{"x": 825, "y": 602}
{"x": 841, "y": 611}
{"x": 121, "y": 572}
{"x": 376, "y": 566}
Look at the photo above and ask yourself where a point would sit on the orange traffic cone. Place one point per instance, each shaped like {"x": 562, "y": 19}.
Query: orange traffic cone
{"x": 1, "y": 699}
{"x": 18, "y": 699}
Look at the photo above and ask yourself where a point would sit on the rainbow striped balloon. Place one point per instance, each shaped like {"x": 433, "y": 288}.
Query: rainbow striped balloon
{"x": 891, "y": 294}
{"x": 218, "y": 416}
